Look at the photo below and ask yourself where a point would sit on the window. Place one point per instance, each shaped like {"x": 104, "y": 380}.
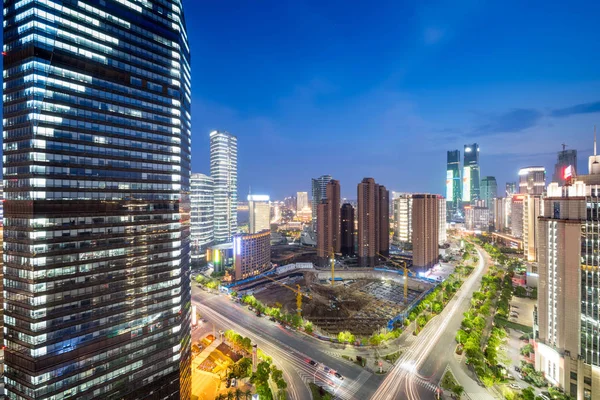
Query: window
{"x": 574, "y": 375}
{"x": 587, "y": 380}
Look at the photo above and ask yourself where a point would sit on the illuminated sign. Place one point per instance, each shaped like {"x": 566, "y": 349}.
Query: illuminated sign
{"x": 449, "y": 180}
{"x": 237, "y": 244}
{"x": 467, "y": 149}
{"x": 568, "y": 173}
{"x": 467, "y": 184}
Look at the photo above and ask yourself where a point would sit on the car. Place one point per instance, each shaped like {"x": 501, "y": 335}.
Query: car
{"x": 312, "y": 362}
{"x": 272, "y": 319}
{"x": 326, "y": 369}
{"x": 544, "y": 397}
{"x": 233, "y": 382}
{"x": 521, "y": 376}
{"x": 515, "y": 386}
{"x": 517, "y": 369}
{"x": 339, "y": 376}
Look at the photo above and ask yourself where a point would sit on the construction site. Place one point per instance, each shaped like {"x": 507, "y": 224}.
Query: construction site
{"x": 359, "y": 301}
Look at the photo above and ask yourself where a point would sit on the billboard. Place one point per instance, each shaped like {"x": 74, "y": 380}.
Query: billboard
{"x": 467, "y": 184}
{"x": 449, "y": 185}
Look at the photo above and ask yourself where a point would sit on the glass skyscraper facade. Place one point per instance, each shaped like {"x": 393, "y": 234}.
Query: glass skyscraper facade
{"x": 453, "y": 184}
{"x": 471, "y": 174}
{"x": 319, "y": 193}
{"x": 96, "y": 172}
{"x": 202, "y": 213}
{"x": 223, "y": 170}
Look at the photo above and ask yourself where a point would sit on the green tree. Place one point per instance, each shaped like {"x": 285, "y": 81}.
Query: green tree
{"x": 261, "y": 376}
{"x": 437, "y": 307}
{"x": 308, "y": 327}
{"x": 248, "y": 394}
{"x": 458, "y": 390}
{"x": 238, "y": 394}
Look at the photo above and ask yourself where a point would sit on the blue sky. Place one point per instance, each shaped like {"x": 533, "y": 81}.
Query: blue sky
{"x": 383, "y": 89}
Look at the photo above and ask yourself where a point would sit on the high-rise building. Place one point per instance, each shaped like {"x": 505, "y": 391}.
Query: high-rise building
{"x": 319, "y": 189}
{"x": 97, "y": 172}
{"x": 259, "y": 213}
{"x": 499, "y": 214}
{"x": 477, "y": 217}
{"x": 471, "y": 174}
{"x": 301, "y": 201}
{"x": 251, "y": 254}
{"x": 202, "y": 209}
{"x": 565, "y": 158}
{"x": 347, "y": 230}
{"x": 373, "y": 222}
{"x": 516, "y": 215}
{"x": 425, "y": 230}
{"x": 511, "y": 188}
{"x": 403, "y": 219}
{"x": 531, "y": 212}
{"x": 442, "y": 237}
{"x": 489, "y": 191}
{"x": 453, "y": 184}
{"x": 224, "y": 171}
{"x": 532, "y": 180}
{"x": 568, "y": 302}
{"x": 328, "y": 222}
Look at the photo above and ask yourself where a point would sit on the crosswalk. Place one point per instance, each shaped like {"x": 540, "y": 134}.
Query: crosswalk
{"x": 343, "y": 390}
{"x": 426, "y": 384}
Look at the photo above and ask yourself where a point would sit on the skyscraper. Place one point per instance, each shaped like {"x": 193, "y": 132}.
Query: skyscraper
{"x": 223, "y": 169}
{"x": 328, "y": 222}
{"x": 568, "y": 302}
{"x": 511, "y": 188}
{"x": 425, "y": 230}
{"x": 301, "y": 201}
{"x": 471, "y": 174}
{"x": 532, "y": 180}
{"x": 373, "y": 222}
{"x": 347, "y": 230}
{"x": 453, "y": 184}
{"x": 259, "y": 213}
{"x": 442, "y": 237}
{"x": 531, "y": 212}
{"x": 319, "y": 186}
{"x": 97, "y": 170}
{"x": 516, "y": 215}
{"x": 202, "y": 211}
{"x": 564, "y": 159}
{"x": 403, "y": 219}
{"x": 489, "y": 191}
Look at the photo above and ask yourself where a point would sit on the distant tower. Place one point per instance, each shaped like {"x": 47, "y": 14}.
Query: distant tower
{"x": 425, "y": 230}
{"x": 319, "y": 186}
{"x": 373, "y": 222}
{"x": 453, "y": 184}
{"x": 565, "y": 158}
{"x": 532, "y": 180}
{"x": 347, "y": 230}
{"x": 223, "y": 169}
{"x": 328, "y": 222}
{"x": 471, "y": 174}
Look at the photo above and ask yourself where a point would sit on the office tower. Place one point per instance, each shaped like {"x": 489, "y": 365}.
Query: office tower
{"x": 453, "y": 184}
{"x": 403, "y": 220}
{"x": 259, "y": 213}
{"x": 516, "y": 215}
{"x": 1, "y": 203}
{"x": 499, "y": 214}
{"x": 301, "y": 201}
{"x": 251, "y": 253}
{"x": 565, "y": 158}
{"x": 477, "y": 217}
{"x": 471, "y": 174}
{"x": 373, "y": 222}
{"x": 511, "y": 188}
{"x": 223, "y": 169}
{"x": 442, "y": 237}
{"x": 489, "y": 191}
{"x": 347, "y": 230}
{"x": 567, "y": 314}
{"x": 97, "y": 171}
{"x": 425, "y": 230}
{"x": 328, "y": 223}
{"x": 319, "y": 186}
{"x": 531, "y": 212}
{"x": 532, "y": 180}
{"x": 202, "y": 209}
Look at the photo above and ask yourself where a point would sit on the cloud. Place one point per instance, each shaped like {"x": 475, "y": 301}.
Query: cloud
{"x": 585, "y": 108}
{"x": 515, "y": 120}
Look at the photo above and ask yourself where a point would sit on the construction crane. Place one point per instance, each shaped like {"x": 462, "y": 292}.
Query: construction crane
{"x": 298, "y": 292}
{"x": 406, "y": 272}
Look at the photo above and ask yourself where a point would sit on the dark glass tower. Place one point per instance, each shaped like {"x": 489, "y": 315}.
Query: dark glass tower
{"x": 347, "y": 230}
{"x": 471, "y": 174}
{"x": 96, "y": 171}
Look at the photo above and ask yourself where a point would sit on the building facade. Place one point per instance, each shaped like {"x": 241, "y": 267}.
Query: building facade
{"x": 224, "y": 171}
{"x": 301, "y": 201}
{"x": 453, "y": 184}
{"x": 565, "y": 158}
{"x": 442, "y": 237}
{"x": 347, "y": 230}
{"x": 425, "y": 230}
{"x": 500, "y": 220}
{"x": 328, "y": 223}
{"x": 532, "y": 180}
{"x": 477, "y": 217}
{"x": 373, "y": 222}
{"x": 252, "y": 254}
{"x": 319, "y": 193}
{"x": 531, "y": 213}
{"x": 259, "y": 213}
{"x": 202, "y": 209}
{"x": 516, "y": 215}
{"x": 471, "y": 174}
{"x": 489, "y": 191}
{"x": 403, "y": 219}
{"x": 96, "y": 172}
{"x": 511, "y": 188}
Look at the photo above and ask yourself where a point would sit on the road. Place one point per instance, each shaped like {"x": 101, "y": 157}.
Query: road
{"x": 420, "y": 364}
{"x": 291, "y": 351}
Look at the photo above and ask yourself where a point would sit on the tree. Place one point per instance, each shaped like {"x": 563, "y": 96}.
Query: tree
{"x": 238, "y": 394}
{"x": 248, "y": 394}
{"x": 308, "y": 327}
{"x": 230, "y": 395}
{"x": 437, "y": 307}
{"x": 458, "y": 390}
{"x": 261, "y": 376}
{"x": 244, "y": 365}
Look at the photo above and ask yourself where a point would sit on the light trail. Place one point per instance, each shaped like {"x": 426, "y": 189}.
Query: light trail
{"x": 405, "y": 372}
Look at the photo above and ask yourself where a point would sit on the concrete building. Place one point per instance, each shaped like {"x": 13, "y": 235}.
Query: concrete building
{"x": 532, "y": 180}
{"x": 97, "y": 157}
{"x": 403, "y": 219}
{"x": 301, "y": 201}
{"x": 220, "y": 256}
{"x": 373, "y": 222}
{"x": 477, "y": 217}
{"x": 328, "y": 223}
{"x": 453, "y": 185}
{"x": 565, "y": 158}
{"x": 259, "y": 213}
{"x": 442, "y": 237}
{"x": 347, "y": 230}
{"x": 489, "y": 191}
{"x": 223, "y": 169}
{"x": 201, "y": 214}
{"x": 516, "y": 215}
{"x": 252, "y": 254}
{"x": 511, "y": 188}
{"x": 425, "y": 230}
{"x": 567, "y": 345}
{"x": 319, "y": 188}
{"x": 471, "y": 183}
{"x": 501, "y": 221}
{"x": 531, "y": 212}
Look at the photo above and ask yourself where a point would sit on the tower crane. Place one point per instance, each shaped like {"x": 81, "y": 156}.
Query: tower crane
{"x": 406, "y": 272}
{"x": 298, "y": 291}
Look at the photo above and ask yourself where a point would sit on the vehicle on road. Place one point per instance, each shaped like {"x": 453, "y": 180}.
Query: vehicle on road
{"x": 339, "y": 376}
{"x": 326, "y": 369}
{"x": 515, "y": 386}
{"x": 312, "y": 362}
{"x": 544, "y": 397}
{"x": 233, "y": 382}
{"x": 517, "y": 369}
{"x": 272, "y": 319}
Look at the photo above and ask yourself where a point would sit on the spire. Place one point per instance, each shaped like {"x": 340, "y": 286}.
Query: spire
{"x": 594, "y": 139}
